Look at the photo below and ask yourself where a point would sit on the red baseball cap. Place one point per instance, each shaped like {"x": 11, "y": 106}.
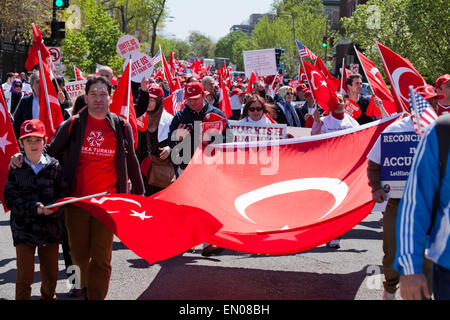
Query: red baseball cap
{"x": 32, "y": 128}
{"x": 155, "y": 91}
{"x": 302, "y": 87}
{"x": 428, "y": 92}
{"x": 441, "y": 80}
{"x": 193, "y": 90}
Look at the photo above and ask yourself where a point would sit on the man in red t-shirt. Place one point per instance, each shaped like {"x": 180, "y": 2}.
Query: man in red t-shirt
{"x": 443, "y": 87}
{"x": 96, "y": 150}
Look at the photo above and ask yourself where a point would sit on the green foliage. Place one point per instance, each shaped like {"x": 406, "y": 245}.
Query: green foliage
{"x": 94, "y": 43}
{"x": 415, "y": 29}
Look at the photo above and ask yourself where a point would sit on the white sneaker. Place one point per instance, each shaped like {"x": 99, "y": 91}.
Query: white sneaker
{"x": 388, "y": 296}
{"x": 336, "y": 243}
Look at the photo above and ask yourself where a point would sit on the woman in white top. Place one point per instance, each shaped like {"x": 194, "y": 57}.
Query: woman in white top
{"x": 334, "y": 121}
{"x": 257, "y": 111}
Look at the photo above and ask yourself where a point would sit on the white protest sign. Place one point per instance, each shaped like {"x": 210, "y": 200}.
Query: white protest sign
{"x": 75, "y": 88}
{"x": 262, "y": 62}
{"x": 247, "y": 132}
{"x": 127, "y": 45}
{"x": 141, "y": 66}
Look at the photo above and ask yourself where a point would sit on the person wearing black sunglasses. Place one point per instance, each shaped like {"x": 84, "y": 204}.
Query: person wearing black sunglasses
{"x": 257, "y": 111}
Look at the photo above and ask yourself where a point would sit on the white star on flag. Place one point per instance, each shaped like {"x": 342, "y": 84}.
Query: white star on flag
{"x": 4, "y": 142}
{"x": 140, "y": 215}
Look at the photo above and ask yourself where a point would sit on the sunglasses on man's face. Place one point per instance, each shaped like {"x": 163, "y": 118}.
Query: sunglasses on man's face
{"x": 290, "y": 93}
{"x": 253, "y": 109}
{"x": 18, "y": 86}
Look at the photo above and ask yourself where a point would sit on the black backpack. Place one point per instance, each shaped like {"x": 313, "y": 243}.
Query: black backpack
{"x": 443, "y": 134}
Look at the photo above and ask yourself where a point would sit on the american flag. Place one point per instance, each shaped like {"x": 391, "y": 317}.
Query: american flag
{"x": 177, "y": 101}
{"x": 157, "y": 58}
{"x": 304, "y": 51}
{"x": 424, "y": 111}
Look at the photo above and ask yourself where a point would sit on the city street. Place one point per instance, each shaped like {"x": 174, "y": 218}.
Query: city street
{"x": 352, "y": 272}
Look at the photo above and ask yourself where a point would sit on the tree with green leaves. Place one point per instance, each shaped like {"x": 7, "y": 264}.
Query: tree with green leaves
{"x": 415, "y": 29}
{"x": 95, "y": 43}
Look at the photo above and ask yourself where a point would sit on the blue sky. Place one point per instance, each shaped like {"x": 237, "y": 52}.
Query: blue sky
{"x": 213, "y": 18}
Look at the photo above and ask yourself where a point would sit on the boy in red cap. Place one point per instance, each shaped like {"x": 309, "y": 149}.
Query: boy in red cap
{"x": 443, "y": 87}
{"x": 39, "y": 182}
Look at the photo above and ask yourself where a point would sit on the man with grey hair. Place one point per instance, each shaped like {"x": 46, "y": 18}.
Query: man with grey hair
{"x": 208, "y": 83}
{"x": 28, "y": 107}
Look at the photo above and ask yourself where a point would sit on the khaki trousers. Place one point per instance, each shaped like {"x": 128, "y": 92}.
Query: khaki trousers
{"x": 91, "y": 250}
{"x": 48, "y": 258}
{"x": 392, "y": 276}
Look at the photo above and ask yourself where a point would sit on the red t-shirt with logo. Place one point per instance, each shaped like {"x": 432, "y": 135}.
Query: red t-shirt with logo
{"x": 97, "y": 169}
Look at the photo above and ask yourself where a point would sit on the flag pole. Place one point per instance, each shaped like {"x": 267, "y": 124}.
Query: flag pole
{"x": 129, "y": 90}
{"x": 76, "y": 200}
{"x": 414, "y": 106}
{"x": 307, "y": 79}
{"x": 44, "y": 84}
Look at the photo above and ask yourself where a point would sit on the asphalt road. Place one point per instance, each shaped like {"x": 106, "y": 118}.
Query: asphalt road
{"x": 352, "y": 272}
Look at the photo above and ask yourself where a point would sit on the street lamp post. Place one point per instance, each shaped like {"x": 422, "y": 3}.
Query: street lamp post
{"x": 293, "y": 32}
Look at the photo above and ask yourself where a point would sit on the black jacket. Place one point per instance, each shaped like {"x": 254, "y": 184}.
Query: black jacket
{"x": 23, "y": 112}
{"x": 23, "y": 192}
{"x": 193, "y": 119}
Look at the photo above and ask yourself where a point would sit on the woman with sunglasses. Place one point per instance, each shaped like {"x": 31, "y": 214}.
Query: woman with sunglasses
{"x": 16, "y": 94}
{"x": 257, "y": 111}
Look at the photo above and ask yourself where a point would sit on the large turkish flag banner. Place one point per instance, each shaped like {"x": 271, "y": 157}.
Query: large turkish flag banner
{"x": 287, "y": 196}
{"x": 153, "y": 229}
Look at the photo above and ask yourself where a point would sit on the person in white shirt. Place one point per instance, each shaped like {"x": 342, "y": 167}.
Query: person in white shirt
{"x": 9, "y": 79}
{"x": 257, "y": 111}
{"x": 334, "y": 121}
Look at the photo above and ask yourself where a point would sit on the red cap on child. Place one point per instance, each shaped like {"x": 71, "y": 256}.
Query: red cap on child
{"x": 32, "y": 128}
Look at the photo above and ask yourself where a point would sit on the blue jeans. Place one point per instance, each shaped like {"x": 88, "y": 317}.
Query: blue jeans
{"x": 441, "y": 282}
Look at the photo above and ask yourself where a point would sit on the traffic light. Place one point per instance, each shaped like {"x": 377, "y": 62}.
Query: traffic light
{"x": 331, "y": 41}
{"x": 60, "y": 4}
{"x": 324, "y": 41}
{"x": 58, "y": 31}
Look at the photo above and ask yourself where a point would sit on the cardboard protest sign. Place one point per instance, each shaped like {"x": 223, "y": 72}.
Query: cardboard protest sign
{"x": 247, "y": 132}
{"x": 75, "y": 88}
{"x": 141, "y": 66}
{"x": 397, "y": 153}
{"x": 127, "y": 45}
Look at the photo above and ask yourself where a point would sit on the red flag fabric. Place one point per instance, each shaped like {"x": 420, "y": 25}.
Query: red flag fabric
{"x": 334, "y": 83}
{"x": 224, "y": 99}
{"x": 122, "y": 102}
{"x": 8, "y": 145}
{"x": 79, "y": 76}
{"x": 38, "y": 44}
{"x": 344, "y": 75}
{"x": 401, "y": 74}
{"x": 378, "y": 85}
{"x": 174, "y": 102}
{"x": 352, "y": 108}
{"x": 142, "y": 122}
{"x": 267, "y": 203}
{"x": 49, "y": 108}
{"x": 324, "y": 95}
{"x": 153, "y": 229}
{"x": 250, "y": 83}
{"x": 172, "y": 85}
